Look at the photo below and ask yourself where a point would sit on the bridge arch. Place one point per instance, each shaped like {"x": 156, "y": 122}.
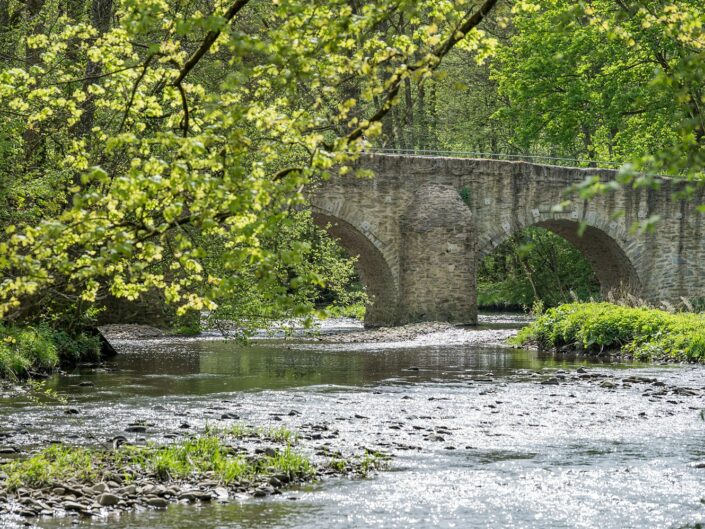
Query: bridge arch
{"x": 374, "y": 268}
{"x": 601, "y": 243}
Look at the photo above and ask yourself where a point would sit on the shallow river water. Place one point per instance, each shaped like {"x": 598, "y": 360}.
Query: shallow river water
{"x": 477, "y": 439}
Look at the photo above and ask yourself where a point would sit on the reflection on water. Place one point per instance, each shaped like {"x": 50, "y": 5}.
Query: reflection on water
{"x": 252, "y": 515}
{"x": 211, "y": 367}
{"x": 478, "y": 440}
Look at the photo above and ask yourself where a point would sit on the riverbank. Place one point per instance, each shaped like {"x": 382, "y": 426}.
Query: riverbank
{"x": 36, "y": 350}
{"x": 608, "y": 329}
{"x": 494, "y": 329}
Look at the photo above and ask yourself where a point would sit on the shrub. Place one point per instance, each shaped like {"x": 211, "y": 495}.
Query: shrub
{"x": 641, "y": 332}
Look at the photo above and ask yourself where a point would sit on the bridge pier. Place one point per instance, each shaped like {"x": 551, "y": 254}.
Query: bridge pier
{"x": 437, "y": 265}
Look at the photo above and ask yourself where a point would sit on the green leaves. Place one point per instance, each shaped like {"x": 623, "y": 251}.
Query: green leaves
{"x": 168, "y": 150}
{"x": 608, "y": 82}
{"x": 647, "y": 334}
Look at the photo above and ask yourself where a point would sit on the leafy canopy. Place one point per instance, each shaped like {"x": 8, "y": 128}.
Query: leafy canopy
{"x": 612, "y": 80}
{"x": 131, "y": 143}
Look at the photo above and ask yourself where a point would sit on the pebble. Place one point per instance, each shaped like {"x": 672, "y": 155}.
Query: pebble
{"x": 136, "y": 429}
{"x": 159, "y": 503}
{"x": 73, "y": 506}
{"x": 108, "y": 500}
{"x": 187, "y": 496}
{"x": 129, "y": 490}
{"x": 99, "y": 488}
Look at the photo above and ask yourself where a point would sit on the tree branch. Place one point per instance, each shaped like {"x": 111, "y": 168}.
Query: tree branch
{"x": 134, "y": 91}
{"x": 184, "y": 104}
{"x": 208, "y": 41}
{"x": 471, "y": 22}
{"x": 197, "y": 55}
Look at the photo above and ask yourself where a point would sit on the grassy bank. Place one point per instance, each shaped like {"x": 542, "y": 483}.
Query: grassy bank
{"x": 354, "y": 310}
{"x": 643, "y": 333}
{"x": 26, "y": 350}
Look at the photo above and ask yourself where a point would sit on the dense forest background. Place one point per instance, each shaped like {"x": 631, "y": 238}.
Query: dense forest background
{"x": 164, "y": 148}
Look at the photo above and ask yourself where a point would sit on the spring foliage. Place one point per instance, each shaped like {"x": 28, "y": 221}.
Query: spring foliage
{"x": 532, "y": 265}
{"x": 28, "y": 349}
{"x": 134, "y": 142}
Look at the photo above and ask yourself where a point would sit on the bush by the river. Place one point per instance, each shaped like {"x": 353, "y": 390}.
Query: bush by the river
{"x": 534, "y": 264}
{"x": 29, "y": 349}
{"x": 643, "y": 333}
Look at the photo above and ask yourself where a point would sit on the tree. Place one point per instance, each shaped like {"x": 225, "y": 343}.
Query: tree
{"x": 208, "y": 122}
{"x": 609, "y": 80}
{"x": 535, "y": 265}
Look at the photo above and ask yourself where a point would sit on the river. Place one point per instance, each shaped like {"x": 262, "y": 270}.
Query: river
{"x": 481, "y": 435}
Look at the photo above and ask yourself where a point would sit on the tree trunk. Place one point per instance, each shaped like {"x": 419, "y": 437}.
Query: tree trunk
{"x": 4, "y": 14}
{"x": 422, "y": 118}
{"x": 432, "y": 117}
{"x": 101, "y": 16}
{"x": 409, "y": 114}
{"x": 33, "y": 148}
{"x": 398, "y": 128}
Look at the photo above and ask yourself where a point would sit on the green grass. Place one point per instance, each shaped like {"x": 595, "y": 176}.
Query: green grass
{"x": 23, "y": 349}
{"x": 643, "y": 333}
{"x": 189, "y": 459}
{"x": 52, "y": 465}
{"x": 210, "y": 454}
{"x": 361, "y": 465}
{"x": 26, "y": 349}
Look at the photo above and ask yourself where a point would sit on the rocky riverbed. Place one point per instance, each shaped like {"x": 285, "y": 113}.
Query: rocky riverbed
{"x": 480, "y": 435}
{"x": 343, "y": 331}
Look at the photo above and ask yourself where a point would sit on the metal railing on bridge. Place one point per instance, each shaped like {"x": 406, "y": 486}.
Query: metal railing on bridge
{"x": 538, "y": 159}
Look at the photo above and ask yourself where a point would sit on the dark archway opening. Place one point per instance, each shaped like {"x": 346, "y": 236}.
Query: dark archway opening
{"x": 373, "y": 270}
{"x": 553, "y": 262}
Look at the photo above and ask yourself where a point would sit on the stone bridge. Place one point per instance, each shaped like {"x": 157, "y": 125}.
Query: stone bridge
{"x": 422, "y": 224}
